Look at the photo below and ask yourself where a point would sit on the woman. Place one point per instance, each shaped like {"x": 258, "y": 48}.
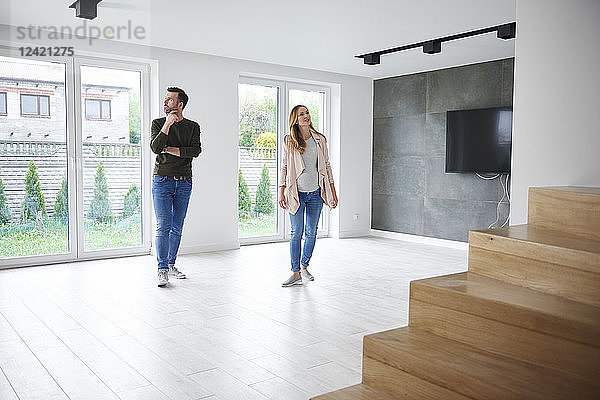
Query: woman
{"x": 305, "y": 183}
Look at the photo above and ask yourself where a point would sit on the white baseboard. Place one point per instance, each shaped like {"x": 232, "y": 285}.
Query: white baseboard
{"x": 421, "y": 239}
{"x": 205, "y": 248}
{"x": 353, "y": 233}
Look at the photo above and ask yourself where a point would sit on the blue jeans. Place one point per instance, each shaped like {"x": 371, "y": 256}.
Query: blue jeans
{"x": 171, "y": 198}
{"x": 312, "y": 203}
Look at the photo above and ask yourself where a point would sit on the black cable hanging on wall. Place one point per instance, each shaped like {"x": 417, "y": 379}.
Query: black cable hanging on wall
{"x": 505, "y": 31}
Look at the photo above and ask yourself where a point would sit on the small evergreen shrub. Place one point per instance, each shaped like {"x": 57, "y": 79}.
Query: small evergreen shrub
{"x": 61, "y": 205}
{"x": 5, "y": 213}
{"x": 264, "y": 201}
{"x": 100, "y": 208}
{"x": 244, "y": 203}
{"x": 131, "y": 202}
{"x": 34, "y": 202}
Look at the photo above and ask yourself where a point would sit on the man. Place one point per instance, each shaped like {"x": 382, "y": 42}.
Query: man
{"x": 176, "y": 141}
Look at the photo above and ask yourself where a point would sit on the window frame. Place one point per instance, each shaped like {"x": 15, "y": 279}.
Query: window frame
{"x": 5, "y": 112}
{"x": 285, "y": 85}
{"x": 73, "y": 98}
{"x": 100, "y": 101}
{"x": 37, "y": 96}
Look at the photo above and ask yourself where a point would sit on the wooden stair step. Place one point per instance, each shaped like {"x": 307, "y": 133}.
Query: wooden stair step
{"x": 532, "y": 241}
{"x": 472, "y": 309}
{"x": 549, "y": 261}
{"x": 460, "y": 369}
{"x": 572, "y": 209}
{"x": 356, "y": 392}
{"x": 514, "y": 305}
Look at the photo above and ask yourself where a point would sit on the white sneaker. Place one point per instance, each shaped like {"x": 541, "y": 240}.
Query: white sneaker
{"x": 175, "y": 273}
{"x": 306, "y": 276}
{"x": 163, "y": 277}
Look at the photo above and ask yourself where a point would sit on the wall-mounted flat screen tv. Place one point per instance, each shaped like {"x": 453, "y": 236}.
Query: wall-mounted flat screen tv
{"x": 479, "y": 140}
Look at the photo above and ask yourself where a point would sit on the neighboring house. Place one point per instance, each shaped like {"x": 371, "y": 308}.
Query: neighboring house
{"x": 33, "y": 128}
{"x": 32, "y": 106}
{"x": 106, "y": 114}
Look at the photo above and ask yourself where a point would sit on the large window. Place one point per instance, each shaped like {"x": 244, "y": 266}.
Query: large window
{"x": 112, "y": 167}
{"x": 315, "y": 100}
{"x": 3, "y": 110}
{"x": 71, "y": 188}
{"x": 264, "y": 107}
{"x": 34, "y": 168}
{"x": 97, "y": 109}
{"x": 35, "y": 105}
{"x": 257, "y": 175}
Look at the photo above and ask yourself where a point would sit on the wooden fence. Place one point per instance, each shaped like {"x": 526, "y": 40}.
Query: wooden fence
{"x": 122, "y": 167}
{"x": 252, "y": 160}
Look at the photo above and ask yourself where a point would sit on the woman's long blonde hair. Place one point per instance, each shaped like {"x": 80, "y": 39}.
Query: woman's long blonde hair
{"x": 296, "y": 139}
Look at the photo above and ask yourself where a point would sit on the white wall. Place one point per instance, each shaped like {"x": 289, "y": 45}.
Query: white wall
{"x": 556, "y": 135}
{"x": 212, "y": 83}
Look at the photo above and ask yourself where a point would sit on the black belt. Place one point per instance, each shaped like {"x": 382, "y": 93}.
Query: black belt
{"x": 177, "y": 178}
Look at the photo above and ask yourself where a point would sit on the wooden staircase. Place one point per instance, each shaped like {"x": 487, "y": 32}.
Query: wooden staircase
{"x": 522, "y": 323}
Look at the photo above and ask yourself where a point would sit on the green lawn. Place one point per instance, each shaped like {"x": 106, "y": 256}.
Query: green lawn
{"x": 258, "y": 226}
{"x": 51, "y": 237}
{"x": 29, "y": 239}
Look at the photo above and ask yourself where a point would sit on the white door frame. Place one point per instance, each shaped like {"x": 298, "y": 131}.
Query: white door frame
{"x": 144, "y": 248}
{"x": 283, "y": 110}
{"x": 75, "y": 252}
{"x": 325, "y": 130}
{"x": 281, "y": 102}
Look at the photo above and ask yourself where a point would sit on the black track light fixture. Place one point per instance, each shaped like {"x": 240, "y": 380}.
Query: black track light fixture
{"x": 432, "y": 46}
{"x": 504, "y": 31}
{"x": 372, "y": 59}
{"x": 87, "y": 9}
{"x": 507, "y": 31}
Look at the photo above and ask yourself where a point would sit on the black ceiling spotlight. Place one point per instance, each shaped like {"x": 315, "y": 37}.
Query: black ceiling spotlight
{"x": 87, "y": 9}
{"x": 372, "y": 59}
{"x": 432, "y": 47}
{"x": 504, "y": 31}
{"x": 507, "y": 31}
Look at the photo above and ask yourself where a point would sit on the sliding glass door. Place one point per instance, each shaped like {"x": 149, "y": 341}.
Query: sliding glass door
{"x": 111, "y": 157}
{"x": 35, "y": 169}
{"x": 264, "y": 107}
{"x": 259, "y": 216}
{"x": 315, "y": 99}
{"x": 72, "y": 181}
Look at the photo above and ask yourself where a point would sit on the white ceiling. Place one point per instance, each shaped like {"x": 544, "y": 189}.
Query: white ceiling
{"x": 324, "y": 35}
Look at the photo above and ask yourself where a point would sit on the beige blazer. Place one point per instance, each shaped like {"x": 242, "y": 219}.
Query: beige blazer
{"x": 293, "y": 165}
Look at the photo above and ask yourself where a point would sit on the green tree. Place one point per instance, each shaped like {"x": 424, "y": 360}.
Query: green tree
{"x": 266, "y": 139}
{"x": 131, "y": 202}
{"x": 5, "y": 213}
{"x": 244, "y": 203}
{"x": 258, "y": 113}
{"x": 34, "y": 202}
{"x": 264, "y": 201}
{"x": 61, "y": 205}
{"x": 135, "y": 122}
{"x": 246, "y": 139}
{"x": 100, "y": 208}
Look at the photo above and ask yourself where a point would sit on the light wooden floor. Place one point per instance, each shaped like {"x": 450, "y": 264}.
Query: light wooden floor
{"x": 103, "y": 330}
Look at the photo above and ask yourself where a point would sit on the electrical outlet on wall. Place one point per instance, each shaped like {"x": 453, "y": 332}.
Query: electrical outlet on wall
{"x": 355, "y": 217}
